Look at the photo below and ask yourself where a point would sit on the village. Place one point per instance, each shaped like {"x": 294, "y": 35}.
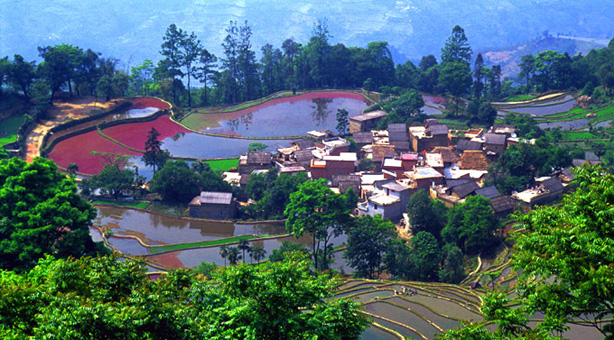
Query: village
{"x": 385, "y": 167}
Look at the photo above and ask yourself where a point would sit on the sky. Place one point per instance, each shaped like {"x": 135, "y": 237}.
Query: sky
{"x": 132, "y": 30}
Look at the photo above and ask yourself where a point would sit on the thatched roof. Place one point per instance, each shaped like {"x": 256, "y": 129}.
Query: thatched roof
{"x": 382, "y": 151}
{"x": 502, "y": 204}
{"x": 474, "y": 160}
{"x": 447, "y": 154}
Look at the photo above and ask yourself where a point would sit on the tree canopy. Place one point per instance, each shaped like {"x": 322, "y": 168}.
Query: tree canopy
{"x": 40, "y": 213}
{"x": 104, "y": 298}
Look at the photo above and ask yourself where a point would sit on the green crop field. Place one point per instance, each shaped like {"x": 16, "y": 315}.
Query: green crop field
{"x": 140, "y": 205}
{"x": 160, "y": 249}
{"x": 223, "y": 164}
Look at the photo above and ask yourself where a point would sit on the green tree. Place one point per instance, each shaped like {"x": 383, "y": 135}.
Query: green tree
{"x": 59, "y": 66}
{"x": 563, "y": 253}
{"x": 72, "y": 169}
{"x": 452, "y": 270}
{"x": 342, "y": 121}
{"x": 455, "y": 78}
{"x": 154, "y": 156}
{"x": 41, "y": 213}
{"x": 471, "y": 225}
{"x": 287, "y": 247}
{"x": 317, "y": 210}
{"x": 367, "y": 242}
{"x": 104, "y": 298}
{"x": 114, "y": 180}
{"x": 205, "y": 71}
{"x": 171, "y": 49}
{"x": 234, "y": 255}
{"x": 141, "y": 77}
{"x": 192, "y": 50}
{"x": 244, "y": 246}
{"x": 256, "y": 146}
{"x": 486, "y": 114}
{"x": 366, "y": 164}
{"x": 425, "y": 257}
{"x": 176, "y": 182}
{"x": 426, "y": 214}
{"x": 258, "y": 253}
{"x": 21, "y": 74}
{"x": 527, "y": 68}
{"x": 478, "y": 74}
{"x": 457, "y": 48}
{"x": 224, "y": 252}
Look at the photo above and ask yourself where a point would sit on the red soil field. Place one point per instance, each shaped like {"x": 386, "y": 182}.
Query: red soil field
{"x": 134, "y": 135}
{"x": 77, "y": 150}
{"x": 141, "y": 103}
{"x": 433, "y": 99}
{"x": 169, "y": 260}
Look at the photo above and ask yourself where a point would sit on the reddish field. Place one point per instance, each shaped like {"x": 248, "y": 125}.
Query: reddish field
{"x": 433, "y": 99}
{"x": 203, "y": 121}
{"x": 141, "y": 103}
{"x": 306, "y": 96}
{"x": 169, "y": 260}
{"x": 134, "y": 135}
{"x": 77, "y": 150}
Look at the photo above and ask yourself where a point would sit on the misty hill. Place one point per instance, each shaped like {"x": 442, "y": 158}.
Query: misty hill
{"x": 132, "y": 30}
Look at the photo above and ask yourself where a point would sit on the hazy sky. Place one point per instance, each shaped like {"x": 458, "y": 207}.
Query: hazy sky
{"x": 132, "y": 29}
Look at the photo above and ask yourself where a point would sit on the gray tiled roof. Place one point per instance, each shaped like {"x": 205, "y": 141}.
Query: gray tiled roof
{"x": 465, "y": 144}
{"x": 398, "y": 128}
{"x": 465, "y": 190}
{"x": 258, "y": 157}
{"x": 488, "y": 192}
{"x": 363, "y": 137}
{"x": 495, "y": 139}
{"x": 211, "y": 197}
{"x": 439, "y": 129}
{"x": 552, "y": 185}
{"x": 304, "y": 144}
{"x": 451, "y": 183}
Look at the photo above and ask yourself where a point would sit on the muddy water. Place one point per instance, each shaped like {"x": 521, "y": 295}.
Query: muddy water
{"x": 157, "y": 229}
{"x": 402, "y": 316}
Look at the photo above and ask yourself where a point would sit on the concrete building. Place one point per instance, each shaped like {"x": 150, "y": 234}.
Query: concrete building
{"x": 366, "y": 121}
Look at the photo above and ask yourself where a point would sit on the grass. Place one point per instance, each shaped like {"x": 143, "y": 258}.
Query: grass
{"x": 9, "y": 127}
{"x": 223, "y": 164}
{"x": 129, "y": 204}
{"x": 521, "y": 98}
{"x": 579, "y": 135}
{"x": 454, "y": 123}
{"x": 161, "y": 249}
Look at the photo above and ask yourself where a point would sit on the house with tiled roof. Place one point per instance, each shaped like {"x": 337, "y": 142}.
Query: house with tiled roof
{"x": 213, "y": 205}
{"x": 366, "y": 121}
{"x": 495, "y": 142}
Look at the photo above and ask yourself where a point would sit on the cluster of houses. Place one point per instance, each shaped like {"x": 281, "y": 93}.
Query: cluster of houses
{"x": 451, "y": 165}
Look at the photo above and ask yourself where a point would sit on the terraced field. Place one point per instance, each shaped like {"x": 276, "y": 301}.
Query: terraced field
{"x": 401, "y": 309}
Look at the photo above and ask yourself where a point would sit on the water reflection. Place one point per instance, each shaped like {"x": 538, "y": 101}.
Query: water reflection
{"x": 321, "y": 112}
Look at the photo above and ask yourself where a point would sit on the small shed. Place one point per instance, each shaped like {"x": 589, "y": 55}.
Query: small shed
{"x": 213, "y": 205}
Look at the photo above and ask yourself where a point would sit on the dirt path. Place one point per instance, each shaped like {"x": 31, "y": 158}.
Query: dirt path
{"x": 61, "y": 112}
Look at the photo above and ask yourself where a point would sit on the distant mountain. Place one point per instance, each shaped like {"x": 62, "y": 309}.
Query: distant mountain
{"x": 132, "y": 30}
{"x": 509, "y": 57}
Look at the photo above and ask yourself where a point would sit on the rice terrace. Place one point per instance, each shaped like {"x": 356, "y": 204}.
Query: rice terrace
{"x": 354, "y": 179}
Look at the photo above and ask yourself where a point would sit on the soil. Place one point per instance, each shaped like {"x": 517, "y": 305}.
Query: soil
{"x": 61, "y": 112}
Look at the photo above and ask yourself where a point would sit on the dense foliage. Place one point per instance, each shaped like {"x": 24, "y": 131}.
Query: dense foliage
{"x": 103, "y": 298}
{"x": 176, "y": 181}
{"x": 563, "y": 255}
{"x": 42, "y": 213}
